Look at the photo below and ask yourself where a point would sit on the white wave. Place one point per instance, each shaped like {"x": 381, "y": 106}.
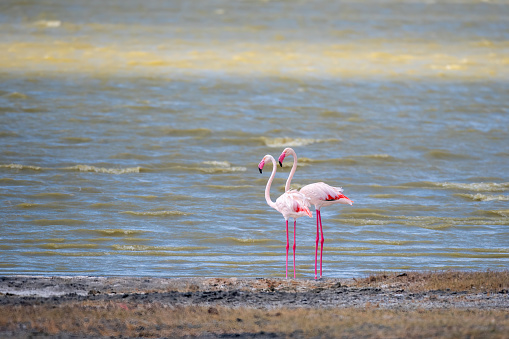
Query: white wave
{"x": 223, "y": 170}
{"x": 224, "y": 164}
{"x": 221, "y": 167}
{"x": 48, "y": 23}
{"x": 156, "y": 213}
{"x": 21, "y": 167}
{"x": 293, "y": 142}
{"x": 504, "y": 213}
{"x": 87, "y": 168}
{"x": 477, "y": 187}
{"x": 485, "y": 197}
{"x": 377, "y": 156}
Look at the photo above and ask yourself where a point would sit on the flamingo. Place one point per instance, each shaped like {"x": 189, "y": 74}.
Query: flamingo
{"x": 319, "y": 194}
{"x": 290, "y": 204}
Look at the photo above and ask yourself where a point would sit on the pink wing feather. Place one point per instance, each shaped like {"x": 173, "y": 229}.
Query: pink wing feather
{"x": 293, "y": 204}
{"x": 321, "y": 194}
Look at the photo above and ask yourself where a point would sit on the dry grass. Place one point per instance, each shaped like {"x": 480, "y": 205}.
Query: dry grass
{"x": 156, "y": 320}
{"x": 488, "y": 281}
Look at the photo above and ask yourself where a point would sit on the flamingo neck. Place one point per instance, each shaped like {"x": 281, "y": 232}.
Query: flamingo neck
{"x": 269, "y": 183}
{"x": 292, "y": 172}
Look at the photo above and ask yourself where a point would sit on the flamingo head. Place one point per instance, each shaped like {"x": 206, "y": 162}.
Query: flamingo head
{"x": 282, "y": 156}
{"x": 262, "y": 163}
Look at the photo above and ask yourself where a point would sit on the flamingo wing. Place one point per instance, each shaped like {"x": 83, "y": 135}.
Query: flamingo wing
{"x": 321, "y": 194}
{"x": 293, "y": 204}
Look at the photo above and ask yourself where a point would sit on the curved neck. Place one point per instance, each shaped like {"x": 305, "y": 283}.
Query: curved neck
{"x": 269, "y": 183}
{"x": 292, "y": 172}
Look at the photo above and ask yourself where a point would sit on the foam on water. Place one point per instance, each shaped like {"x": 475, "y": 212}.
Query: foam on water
{"x": 503, "y": 213}
{"x": 477, "y": 187}
{"x": 87, "y": 168}
{"x": 221, "y": 167}
{"x": 156, "y": 213}
{"x": 20, "y": 167}
{"x": 111, "y": 232}
{"x": 484, "y": 197}
{"x": 293, "y": 142}
{"x": 53, "y": 246}
{"x": 157, "y": 248}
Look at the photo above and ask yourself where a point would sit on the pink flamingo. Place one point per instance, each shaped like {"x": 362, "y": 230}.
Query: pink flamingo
{"x": 291, "y": 204}
{"x": 319, "y": 194}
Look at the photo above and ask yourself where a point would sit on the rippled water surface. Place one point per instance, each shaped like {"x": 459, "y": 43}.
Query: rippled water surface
{"x": 131, "y": 132}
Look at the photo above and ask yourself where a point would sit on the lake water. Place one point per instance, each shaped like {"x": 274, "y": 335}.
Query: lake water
{"x": 131, "y": 132}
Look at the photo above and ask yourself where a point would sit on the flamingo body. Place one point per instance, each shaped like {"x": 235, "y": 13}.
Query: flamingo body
{"x": 293, "y": 204}
{"x": 319, "y": 194}
{"x": 290, "y": 204}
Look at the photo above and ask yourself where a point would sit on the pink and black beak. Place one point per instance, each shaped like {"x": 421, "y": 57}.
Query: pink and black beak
{"x": 261, "y": 164}
{"x": 281, "y": 158}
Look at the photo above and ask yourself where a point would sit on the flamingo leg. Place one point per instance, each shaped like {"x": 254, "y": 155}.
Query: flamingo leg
{"x": 321, "y": 242}
{"x": 287, "y": 247}
{"x": 316, "y": 245}
{"x": 294, "y": 246}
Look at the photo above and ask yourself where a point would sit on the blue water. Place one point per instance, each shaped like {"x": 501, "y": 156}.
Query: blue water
{"x": 131, "y": 132}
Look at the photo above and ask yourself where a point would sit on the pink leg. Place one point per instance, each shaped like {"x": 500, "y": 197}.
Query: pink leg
{"x": 287, "y": 247}
{"x": 294, "y": 246}
{"x": 321, "y": 242}
{"x": 316, "y": 246}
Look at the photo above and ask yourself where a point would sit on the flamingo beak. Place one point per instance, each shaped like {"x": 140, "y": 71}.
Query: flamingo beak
{"x": 281, "y": 158}
{"x": 260, "y": 165}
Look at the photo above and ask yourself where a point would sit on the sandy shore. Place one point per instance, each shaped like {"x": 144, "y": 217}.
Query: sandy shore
{"x": 231, "y": 294}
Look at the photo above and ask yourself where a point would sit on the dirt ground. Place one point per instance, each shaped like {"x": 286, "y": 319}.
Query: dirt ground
{"x": 381, "y": 306}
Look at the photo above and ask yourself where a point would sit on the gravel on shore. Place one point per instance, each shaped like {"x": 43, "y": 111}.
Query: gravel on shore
{"x": 267, "y": 293}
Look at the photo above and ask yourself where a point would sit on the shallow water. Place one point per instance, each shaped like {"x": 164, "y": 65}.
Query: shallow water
{"x": 131, "y": 133}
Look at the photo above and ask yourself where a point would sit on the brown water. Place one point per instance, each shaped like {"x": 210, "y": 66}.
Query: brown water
{"x": 130, "y": 134}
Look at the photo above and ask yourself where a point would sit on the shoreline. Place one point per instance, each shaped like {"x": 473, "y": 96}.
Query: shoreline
{"x": 245, "y": 292}
{"x": 217, "y": 304}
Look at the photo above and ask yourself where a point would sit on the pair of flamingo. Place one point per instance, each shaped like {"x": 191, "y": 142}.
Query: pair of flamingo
{"x": 295, "y": 204}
